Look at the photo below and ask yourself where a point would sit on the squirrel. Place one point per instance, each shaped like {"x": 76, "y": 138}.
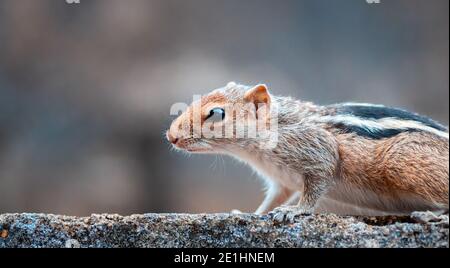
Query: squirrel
{"x": 349, "y": 158}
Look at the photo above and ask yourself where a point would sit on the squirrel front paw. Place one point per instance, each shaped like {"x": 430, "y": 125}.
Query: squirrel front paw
{"x": 235, "y": 211}
{"x": 288, "y": 213}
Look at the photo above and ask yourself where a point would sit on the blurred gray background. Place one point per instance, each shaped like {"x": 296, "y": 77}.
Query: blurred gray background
{"x": 85, "y": 89}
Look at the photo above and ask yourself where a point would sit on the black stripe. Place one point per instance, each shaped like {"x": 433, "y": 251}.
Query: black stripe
{"x": 379, "y": 112}
{"x": 375, "y": 134}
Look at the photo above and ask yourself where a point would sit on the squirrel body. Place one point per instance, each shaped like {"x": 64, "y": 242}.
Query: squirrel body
{"x": 345, "y": 158}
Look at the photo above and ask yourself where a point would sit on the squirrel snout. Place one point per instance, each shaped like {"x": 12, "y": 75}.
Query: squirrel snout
{"x": 171, "y": 138}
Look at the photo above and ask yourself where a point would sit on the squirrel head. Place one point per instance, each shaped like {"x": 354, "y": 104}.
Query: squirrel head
{"x": 235, "y": 115}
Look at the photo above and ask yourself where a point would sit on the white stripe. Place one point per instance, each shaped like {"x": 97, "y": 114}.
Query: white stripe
{"x": 362, "y": 104}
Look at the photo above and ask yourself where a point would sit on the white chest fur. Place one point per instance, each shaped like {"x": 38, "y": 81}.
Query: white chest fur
{"x": 271, "y": 172}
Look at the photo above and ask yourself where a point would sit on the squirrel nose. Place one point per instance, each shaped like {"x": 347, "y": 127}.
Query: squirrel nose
{"x": 171, "y": 138}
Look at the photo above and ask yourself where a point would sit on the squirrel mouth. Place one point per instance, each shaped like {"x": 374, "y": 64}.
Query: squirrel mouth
{"x": 191, "y": 148}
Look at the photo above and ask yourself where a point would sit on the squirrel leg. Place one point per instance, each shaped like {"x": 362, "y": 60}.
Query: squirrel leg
{"x": 313, "y": 190}
{"x": 276, "y": 196}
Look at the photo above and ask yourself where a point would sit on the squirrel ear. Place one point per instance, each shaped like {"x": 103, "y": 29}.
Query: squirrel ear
{"x": 258, "y": 94}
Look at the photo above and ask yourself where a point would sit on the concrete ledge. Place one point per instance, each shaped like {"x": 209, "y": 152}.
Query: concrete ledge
{"x": 222, "y": 230}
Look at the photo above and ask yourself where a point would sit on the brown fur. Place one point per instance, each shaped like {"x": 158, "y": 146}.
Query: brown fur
{"x": 409, "y": 164}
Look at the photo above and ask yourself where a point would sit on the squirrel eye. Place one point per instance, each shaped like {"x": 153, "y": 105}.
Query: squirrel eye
{"x": 216, "y": 115}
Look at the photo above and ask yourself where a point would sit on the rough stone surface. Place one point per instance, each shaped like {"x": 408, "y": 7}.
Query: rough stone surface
{"x": 222, "y": 230}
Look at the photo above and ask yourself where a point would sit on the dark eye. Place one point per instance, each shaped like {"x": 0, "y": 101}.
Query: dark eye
{"x": 216, "y": 115}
